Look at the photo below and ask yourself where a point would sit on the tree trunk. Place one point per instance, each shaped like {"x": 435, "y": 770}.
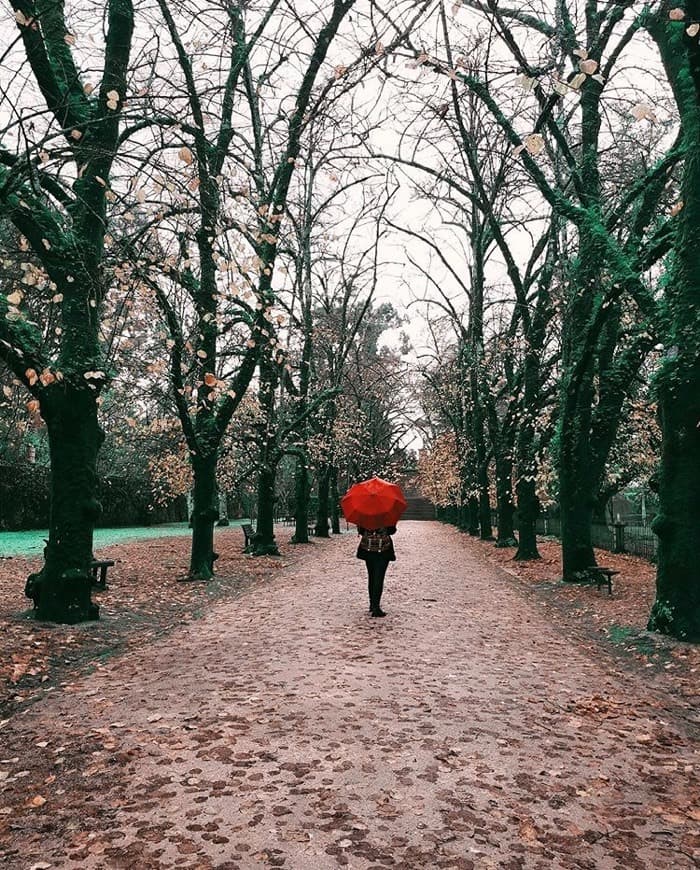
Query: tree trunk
{"x": 576, "y": 484}
{"x": 676, "y": 610}
{"x": 485, "y": 531}
{"x": 577, "y": 481}
{"x": 335, "y": 501}
{"x": 504, "y": 498}
{"x": 528, "y": 509}
{"x": 205, "y": 512}
{"x": 264, "y": 540}
{"x": 468, "y": 517}
{"x": 526, "y": 484}
{"x": 223, "y": 509}
{"x": 322, "y": 530}
{"x": 600, "y": 503}
{"x": 576, "y": 519}
{"x": 463, "y": 515}
{"x": 61, "y": 590}
{"x": 302, "y": 487}
{"x": 473, "y": 528}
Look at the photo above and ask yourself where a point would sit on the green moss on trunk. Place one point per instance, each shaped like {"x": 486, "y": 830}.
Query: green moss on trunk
{"x": 676, "y": 610}
{"x": 62, "y": 588}
{"x": 576, "y": 484}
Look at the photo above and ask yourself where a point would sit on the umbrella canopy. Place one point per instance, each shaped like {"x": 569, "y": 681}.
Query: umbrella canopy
{"x": 373, "y": 503}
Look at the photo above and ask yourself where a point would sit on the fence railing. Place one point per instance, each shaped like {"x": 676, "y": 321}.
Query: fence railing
{"x": 635, "y": 537}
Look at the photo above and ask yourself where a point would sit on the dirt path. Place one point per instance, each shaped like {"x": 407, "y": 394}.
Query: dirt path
{"x": 288, "y": 729}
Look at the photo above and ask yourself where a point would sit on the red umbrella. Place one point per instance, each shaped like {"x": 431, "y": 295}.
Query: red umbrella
{"x": 373, "y": 503}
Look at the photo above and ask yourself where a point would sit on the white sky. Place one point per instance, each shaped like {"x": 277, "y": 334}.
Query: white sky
{"x": 399, "y": 282}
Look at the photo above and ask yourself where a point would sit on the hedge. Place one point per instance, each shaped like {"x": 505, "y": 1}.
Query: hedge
{"x": 24, "y": 501}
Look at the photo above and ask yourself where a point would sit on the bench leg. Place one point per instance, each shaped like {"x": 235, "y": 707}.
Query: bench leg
{"x": 99, "y": 582}
{"x": 604, "y": 578}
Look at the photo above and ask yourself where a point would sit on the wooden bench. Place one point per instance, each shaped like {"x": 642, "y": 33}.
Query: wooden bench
{"x": 99, "y": 567}
{"x": 603, "y": 575}
{"x": 249, "y": 532}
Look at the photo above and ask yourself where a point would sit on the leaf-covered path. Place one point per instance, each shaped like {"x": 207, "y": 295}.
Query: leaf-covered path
{"x": 288, "y": 729}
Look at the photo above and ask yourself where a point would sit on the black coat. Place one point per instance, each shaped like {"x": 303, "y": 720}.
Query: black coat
{"x": 387, "y": 554}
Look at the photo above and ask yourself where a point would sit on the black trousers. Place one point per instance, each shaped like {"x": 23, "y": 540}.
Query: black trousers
{"x": 376, "y": 569}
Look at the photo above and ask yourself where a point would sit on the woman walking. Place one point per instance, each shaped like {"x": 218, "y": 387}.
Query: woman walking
{"x": 375, "y": 506}
{"x": 376, "y": 549}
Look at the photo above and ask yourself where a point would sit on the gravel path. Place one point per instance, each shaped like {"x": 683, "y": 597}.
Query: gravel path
{"x": 288, "y": 729}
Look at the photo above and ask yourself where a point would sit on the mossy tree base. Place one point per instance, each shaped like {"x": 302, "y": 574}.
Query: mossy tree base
{"x": 202, "y": 573}
{"x": 264, "y": 548}
{"x": 665, "y": 619}
{"x": 65, "y": 600}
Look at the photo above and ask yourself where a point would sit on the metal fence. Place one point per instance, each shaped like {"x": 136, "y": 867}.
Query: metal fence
{"x": 638, "y": 539}
{"x": 634, "y": 537}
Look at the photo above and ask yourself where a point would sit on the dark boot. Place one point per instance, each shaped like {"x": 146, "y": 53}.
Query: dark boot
{"x": 375, "y": 596}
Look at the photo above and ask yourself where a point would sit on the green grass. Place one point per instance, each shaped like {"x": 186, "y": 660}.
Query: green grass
{"x": 634, "y": 640}
{"x": 32, "y": 543}
{"x": 620, "y": 633}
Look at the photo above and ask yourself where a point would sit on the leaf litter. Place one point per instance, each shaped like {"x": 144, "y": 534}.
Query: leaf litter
{"x": 498, "y": 725}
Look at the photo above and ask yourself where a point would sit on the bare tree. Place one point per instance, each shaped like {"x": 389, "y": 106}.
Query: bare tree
{"x": 619, "y": 238}
{"x": 234, "y": 112}
{"x": 59, "y": 141}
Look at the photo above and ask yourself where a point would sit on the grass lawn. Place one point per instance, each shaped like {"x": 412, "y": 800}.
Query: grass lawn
{"x": 31, "y": 543}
